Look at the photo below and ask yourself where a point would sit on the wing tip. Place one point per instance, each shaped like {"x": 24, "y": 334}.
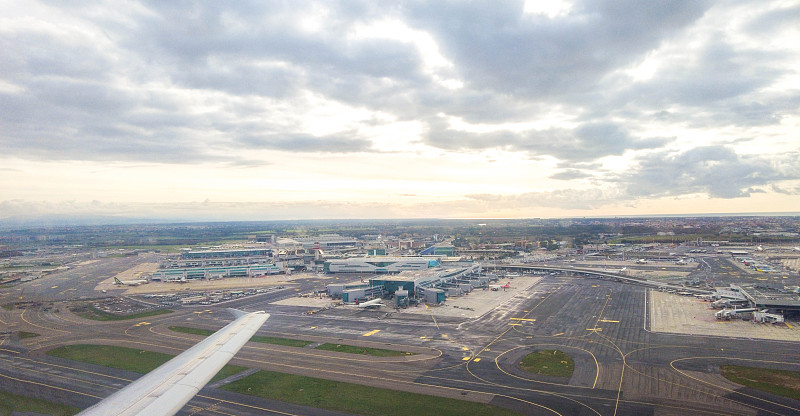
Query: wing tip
{"x": 237, "y": 313}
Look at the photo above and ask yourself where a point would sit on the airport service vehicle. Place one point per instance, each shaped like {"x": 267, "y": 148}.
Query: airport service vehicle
{"x": 130, "y": 282}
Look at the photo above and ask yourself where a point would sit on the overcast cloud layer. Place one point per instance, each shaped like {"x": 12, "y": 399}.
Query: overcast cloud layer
{"x": 414, "y": 109}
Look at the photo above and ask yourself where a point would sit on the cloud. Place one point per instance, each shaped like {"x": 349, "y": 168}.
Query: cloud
{"x": 570, "y": 174}
{"x": 587, "y": 142}
{"x": 715, "y": 170}
{"x": 693, "y": 98}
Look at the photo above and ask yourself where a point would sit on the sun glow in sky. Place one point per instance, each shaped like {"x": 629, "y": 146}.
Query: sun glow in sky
{"x": 283, "y": 110}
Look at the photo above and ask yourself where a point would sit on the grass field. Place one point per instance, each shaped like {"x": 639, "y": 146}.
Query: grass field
{"x": 355, "y": 398}
{"x": 90, "y": 312}
{"x": 781, "y": 382}
{"x": 549, "y": 363}
{"x": 15, "y": 403}
{"x": 375, "y": 352}
{"x": 123, "y": 358}
{"x": 24, "y": 334}
{"x": 256, "y": 338}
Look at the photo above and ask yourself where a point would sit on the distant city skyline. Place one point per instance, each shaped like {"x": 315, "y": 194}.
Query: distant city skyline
{"x": 322, "y": 110}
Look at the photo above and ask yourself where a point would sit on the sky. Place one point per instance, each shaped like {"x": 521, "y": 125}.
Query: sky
{"x": 434, "y": 109}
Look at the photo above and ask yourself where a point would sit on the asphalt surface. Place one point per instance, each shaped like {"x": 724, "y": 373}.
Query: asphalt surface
{"x": 621, "y": 368}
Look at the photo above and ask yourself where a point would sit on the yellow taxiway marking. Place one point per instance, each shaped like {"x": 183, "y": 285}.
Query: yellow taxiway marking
{"x": 465, "y": 348}
{"x": 594, "y": 329}
{"x": 476, "y": 360}
{"x": 523, "y": 319}
{"x": 608, "y": 320}
{"x": 560, "y": 333}
{"x": 371, "y": 333}
{"x": 787, "y": 324}
{"x": 444, "y": 335}
{"x": 313, "y": 327}
{"x": 465, "y": 359}
{"x": 423, "y": 337}
{"x": 53, "y": 287}
{"x": 515, "y": 324}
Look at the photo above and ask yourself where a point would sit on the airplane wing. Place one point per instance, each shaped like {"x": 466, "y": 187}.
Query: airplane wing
{"x": 166, "y": 389}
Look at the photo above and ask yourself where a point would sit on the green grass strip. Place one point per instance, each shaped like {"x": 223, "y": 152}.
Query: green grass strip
{"x": 190, "y": 330}
{"x": 549, "y": 363}
{"x": 15, "y": 403}
{"x": 24, "y": 334}
{"x": 781, "y": 382}
{"x": 8, "y": 306}
{"x": 256, "y": 338}
{"x": 355, "y": 398}
{"x": 280, "y": 341}
{"x": 123, "y": 358}
{"x": 90, "y": 312}
{"x": 350, "y": 349}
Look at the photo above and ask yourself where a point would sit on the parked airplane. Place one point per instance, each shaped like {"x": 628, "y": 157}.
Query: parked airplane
{"x": 374, "y": 303}
{"x": 130, "y": 282}
{"x": 165, "y": 390}
{"x": 506, "y": 286}
{"x": 641, "y": 261}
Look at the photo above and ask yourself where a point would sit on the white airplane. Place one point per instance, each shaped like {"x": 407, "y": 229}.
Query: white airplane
{"x": 641, "y": 261}
{"x": 130, "y": 282}
{"x": 377, "y": 303}
{"x": 165, "y": 390}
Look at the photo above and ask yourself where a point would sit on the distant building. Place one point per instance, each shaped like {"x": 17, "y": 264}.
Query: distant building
{"x": 221, "y": 254}
{"x": 327, "y": 242}
{"x": 439, "y": 250}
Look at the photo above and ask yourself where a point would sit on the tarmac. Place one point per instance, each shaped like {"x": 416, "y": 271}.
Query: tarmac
{"x": 677, "y": 314}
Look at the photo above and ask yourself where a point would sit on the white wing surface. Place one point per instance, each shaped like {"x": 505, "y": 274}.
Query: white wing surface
{"x": 165, "y": 390}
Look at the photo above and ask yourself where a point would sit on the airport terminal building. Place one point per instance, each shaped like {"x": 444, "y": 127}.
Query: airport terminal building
{"x": 200, "y": 273}
{"x": 378, "y": 264}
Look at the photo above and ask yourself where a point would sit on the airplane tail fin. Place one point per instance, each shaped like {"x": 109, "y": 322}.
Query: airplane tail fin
{"x": 117, "y": 281}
